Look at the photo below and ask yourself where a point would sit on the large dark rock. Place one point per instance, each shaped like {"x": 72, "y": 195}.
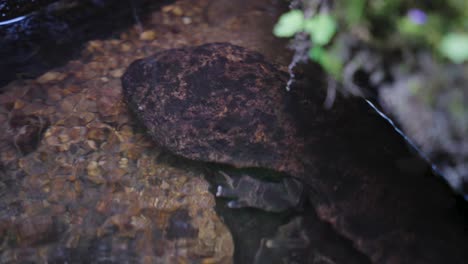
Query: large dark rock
{"x": 217, "y": 103}
{"x": 222, "y": 103}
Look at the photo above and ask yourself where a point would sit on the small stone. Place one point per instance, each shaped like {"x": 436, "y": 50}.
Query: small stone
{"x": 148, "y": 35}
{"x": 87, "y": 117}
{"x": 51, "y": 76}
{"x": 95, "y": 133}
{"x": 123, "y": 163}
{"x": 92, "y": 168}
{"x": 18, "y": 104}
{"x": 165, "y": 185}
{"x": 94, "y": 45}
{"x": 176, "y": 10}
{"x": 94, "y": 173}
{"x": 117, "y": 73}
{"x": 64, "y": 138}
{"x": 125, "y": 47}
{"x": 91, "y": 144}
{"x": 186, "y": 20}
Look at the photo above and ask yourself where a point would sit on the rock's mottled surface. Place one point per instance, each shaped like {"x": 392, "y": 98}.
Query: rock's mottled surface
{"x": 216, "y": 102}
{"x": 222, "y": 103}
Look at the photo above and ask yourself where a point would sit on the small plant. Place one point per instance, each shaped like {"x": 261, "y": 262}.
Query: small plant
{"x": 410, "y": 56}
{"x": 392, "y": 24}
{"x": 321, "y": 28}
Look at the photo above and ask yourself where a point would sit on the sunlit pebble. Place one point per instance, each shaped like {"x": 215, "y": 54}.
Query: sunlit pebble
{"x": 186, "y": 20}
{"x": 64, "y": 147}
{"x": 94, "y": 45}
{"x": 92, "y": 144}
{"x": 18, "y": 104}
{"x": 148, "y": 35}
{"x": 176, "y": 10}
{"x": 125, "y": 47}
{"x": 64, "y": 138}
{"x": 51, "y": 76}
{"x": 140, "y": 222}
{"x": 102, "y": 206}
{"x": 123, "y": 163}
{"x": 165, "y": 185}
{"x": 117, "y": 73}
{"x": 94, "y": 172}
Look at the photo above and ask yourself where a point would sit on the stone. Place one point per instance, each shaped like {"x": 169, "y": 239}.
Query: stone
{"x": 50, "y": 77}
{"x": 216, "y": 103}
{"x": 148, "y": 35}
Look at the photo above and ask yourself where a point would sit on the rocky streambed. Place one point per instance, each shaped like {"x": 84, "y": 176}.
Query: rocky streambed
{"x": 81, "y": 181}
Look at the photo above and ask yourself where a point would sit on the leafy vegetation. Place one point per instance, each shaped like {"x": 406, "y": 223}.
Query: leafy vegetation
{"x": 394, "y": 24}
{"x": 410, "y": 56}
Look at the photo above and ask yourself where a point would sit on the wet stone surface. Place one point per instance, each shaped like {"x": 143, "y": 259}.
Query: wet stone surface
{"x": 216, "y": 103}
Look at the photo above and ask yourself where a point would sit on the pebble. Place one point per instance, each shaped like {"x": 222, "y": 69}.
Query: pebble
{"x": 125, "y": 47}
{"x": 148, "y": 35}
{"x": 51, "y": 76}
{"x": 186, "y": 20}
{"x": 117, "y": 73}
{"x": 175, "y": 10}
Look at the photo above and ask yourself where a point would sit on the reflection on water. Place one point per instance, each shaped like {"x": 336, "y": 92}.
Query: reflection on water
{"x": 11, "y": 21}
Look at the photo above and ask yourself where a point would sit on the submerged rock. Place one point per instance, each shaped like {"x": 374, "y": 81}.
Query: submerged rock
{"x": 222, "y": 103}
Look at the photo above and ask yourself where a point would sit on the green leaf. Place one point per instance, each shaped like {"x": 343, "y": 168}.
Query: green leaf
{"x": 455, "y": 47}
{"x": 316, "y": 53}
{"x": 406, "y": 26}
{"x": 354, "y": 10}
{"x": 332, "y": 64}
{"x": 329, "y": 61}
{"x": 289, "y": 24}
{"x": 321, "y": 28}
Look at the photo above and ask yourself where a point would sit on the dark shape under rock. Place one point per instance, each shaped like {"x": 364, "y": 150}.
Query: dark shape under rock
{"x": 222, "y": 103}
